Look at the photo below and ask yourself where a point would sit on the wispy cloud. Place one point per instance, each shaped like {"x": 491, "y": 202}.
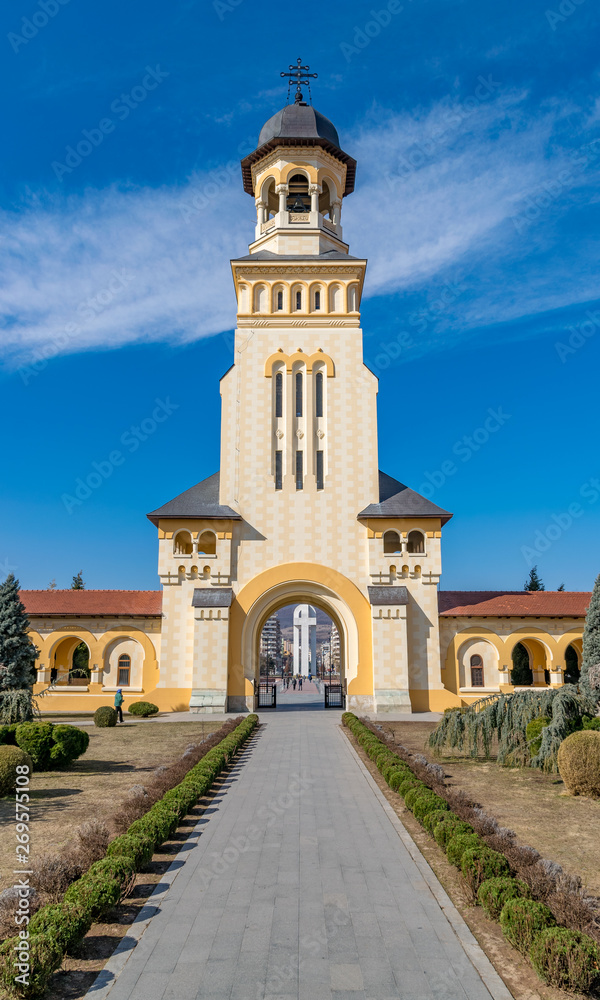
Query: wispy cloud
{"x": 438, "y": 192}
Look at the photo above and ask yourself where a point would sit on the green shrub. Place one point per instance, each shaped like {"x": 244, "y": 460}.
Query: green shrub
{"x": 11, "y": 758}
{"x": 522, "y": 920}
{"x": 566, "y": 959}
{"x": 533, "y": 734}
{"x": 431, "y": 819}
{"x": 480, "y": 863}
{"x": 45, "y": 955}
{"x": 447, "y": 827}
{"x": 7, "y": 735}
{"x": 407, "y": 783}
{"x": 579, "y": 762}
{"x": 67, "y": 923}
{"x": 458, "y": 844}
{"x": 139, "y": 847}
{"x": 413, "y": 793}
{"x": 494, "y": 892}
{"x": 35, "y": 738}
{"x": 69, "y": 743}
{"x": 105, "y": 716}
{"x": 396, "y": 776}
{"x": 588, "y": 722}
{"x": 142, "y": 708}
{"x": 425, "y": 804}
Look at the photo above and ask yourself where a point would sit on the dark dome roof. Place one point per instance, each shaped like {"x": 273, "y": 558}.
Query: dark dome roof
{"x": 298, "y": 121}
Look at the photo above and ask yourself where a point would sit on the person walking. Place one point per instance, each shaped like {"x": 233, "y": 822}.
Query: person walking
{"x": 294, "y": 683}
{"x": 119, "y": 699}
{"x": 300, "y": 682}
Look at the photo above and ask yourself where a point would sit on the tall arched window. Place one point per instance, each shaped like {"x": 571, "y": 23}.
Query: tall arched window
{"x": 279, "y": 394}
{"x": 280, "y": 299}
{"x": 124, "y": 670}
{"x": 317, "y": 299}
{"x": 207, "y": 543}
{"x": 319, "y": 393}
{"x": 298, "y": 300}
{"x": 299, "y": 389}
{"x": 416, "y": 542}
{"x": 476, "y": 671}
{"x": 391, "y": 542}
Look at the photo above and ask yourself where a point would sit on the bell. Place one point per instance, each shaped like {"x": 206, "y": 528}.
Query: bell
{"x": 298, "y": 205}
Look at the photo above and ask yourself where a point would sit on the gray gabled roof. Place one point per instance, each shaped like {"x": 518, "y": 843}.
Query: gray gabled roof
{"x": 388, "y": 595}
{"x": 398, "y": 500}
{"x": 201, "y": 500}
{"x": 212, "y": 597}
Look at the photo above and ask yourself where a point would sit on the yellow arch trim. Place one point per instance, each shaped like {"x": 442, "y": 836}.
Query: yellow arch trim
{"x": 302, "y": 573}
{"x": 308, "y": 359}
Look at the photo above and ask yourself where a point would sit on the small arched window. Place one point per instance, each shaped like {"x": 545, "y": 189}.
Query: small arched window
{"x": 298, "y": 300}
{"x": 124, "y": 670}
{"x": 317, "y": 299}
{"x": 476, "y": 671}
{"x": 319, "y": 394}
{"x": 416, "y": 542}
{"x": 279, "y": 394}
{"x": 298, "y": 199}
{"x": 207, "y": 543}
{"x": 391, "y": 542}
{"x": 182, "y": 545}
{"x": 280, "y": 299}
{"x": 299, "y": 388}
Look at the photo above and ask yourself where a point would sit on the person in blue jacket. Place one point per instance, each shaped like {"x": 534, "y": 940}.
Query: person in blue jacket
{"x": 119, "y": 699}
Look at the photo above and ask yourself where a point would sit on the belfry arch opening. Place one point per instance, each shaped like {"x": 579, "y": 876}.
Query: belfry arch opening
{"x": 70, "y": 663}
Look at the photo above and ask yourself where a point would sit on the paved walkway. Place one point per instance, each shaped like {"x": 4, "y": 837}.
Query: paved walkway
{"x": 302, "y": 884}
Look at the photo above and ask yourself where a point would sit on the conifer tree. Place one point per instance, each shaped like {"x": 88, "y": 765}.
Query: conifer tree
{"x": 78, "y": 583}
{"x": 17, "y": 656}
{"x": 590, "y": 668}
{"x": 561, "y": 588}
{"x": 533, "y": 581}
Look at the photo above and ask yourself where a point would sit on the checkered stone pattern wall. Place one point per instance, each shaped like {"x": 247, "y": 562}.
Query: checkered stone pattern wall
{"x": 178, "y": 636}
{"x": 211, "y": 645}
{"x": 390, "y": 658}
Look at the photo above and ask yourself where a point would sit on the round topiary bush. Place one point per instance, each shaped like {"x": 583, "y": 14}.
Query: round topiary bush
{"x": 7, "y": 735}
{"x": 35, "y": 738}
{"x": 69, "y": 743}
{"x": 431, "y": 820}
{"x": 494, "y": 892}
{"x": 11, "y": 758}
{"x": 427, "y": 803}
{"x": 143, "y": 708}
{"x": 458, "y": 844}
{"x": 480, "y": 863}
{"x": 105, "y": 716}
{"x": 522, "y": 920}
{"x": 579, "y": 762}
{"x": 566, "y": 959}
{"x": 407, "y": 783}
{"x": 447, "y": 827}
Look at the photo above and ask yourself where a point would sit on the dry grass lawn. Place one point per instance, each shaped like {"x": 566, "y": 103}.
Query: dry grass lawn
{"x": 536, "y": 806}
{"x": 115, "y": 760}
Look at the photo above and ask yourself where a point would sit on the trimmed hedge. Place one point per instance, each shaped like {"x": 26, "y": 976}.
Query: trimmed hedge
{"x": 579, "y": 762}
{"x": 481, "y": 863}
{"x": 35, "y": 738}
{"x": 522, "y": 920}
{"x": 8, "y": 735}
{"x": 448, "y": 827}
{"x": 493, "y": 893}
{"x": 142, "y": 708}
{"x": 565, "y": 958}
{"x": 48, "y": 745}
{"x": 57, "y": 928}
{"x": 459, "y": 843}
{"x": 105, "y": 717}
{"x": 432, "y": 819}
{"x": 10, "y": 759}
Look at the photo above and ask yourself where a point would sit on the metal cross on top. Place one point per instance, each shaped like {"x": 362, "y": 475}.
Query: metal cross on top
{"x": 300, "y": 74}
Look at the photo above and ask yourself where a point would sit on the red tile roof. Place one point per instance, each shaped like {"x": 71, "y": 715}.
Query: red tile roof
{"x": 92, "y": 602}
{"x": 513, "y": 603}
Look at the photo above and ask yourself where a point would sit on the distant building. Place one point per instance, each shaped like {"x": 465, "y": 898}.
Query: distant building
{"x": 271, "y": 645}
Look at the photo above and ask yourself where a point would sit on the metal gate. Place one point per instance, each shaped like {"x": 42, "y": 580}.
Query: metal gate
{"x": 334, "y": 696}
{"x": 267, "y": 694}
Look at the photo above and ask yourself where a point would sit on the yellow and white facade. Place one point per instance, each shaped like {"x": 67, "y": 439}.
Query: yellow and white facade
{"x": 299, "y": 512}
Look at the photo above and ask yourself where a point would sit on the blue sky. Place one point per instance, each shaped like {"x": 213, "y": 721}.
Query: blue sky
{"x": 477, "y": 134}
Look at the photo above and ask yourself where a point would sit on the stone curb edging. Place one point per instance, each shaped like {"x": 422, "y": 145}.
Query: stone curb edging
{"x": 108, "y": 975}
{"x": 490, "y": 977}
